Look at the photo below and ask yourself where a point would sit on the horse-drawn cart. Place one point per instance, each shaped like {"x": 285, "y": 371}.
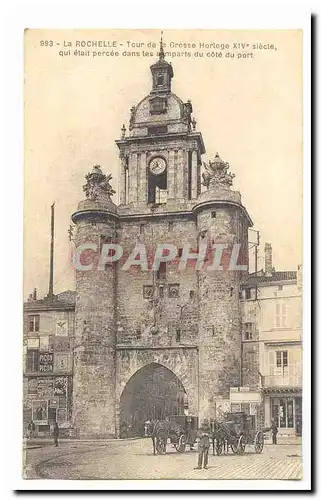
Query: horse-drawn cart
{"x": 237, "y": 431}
{"x": 180, "y": 430}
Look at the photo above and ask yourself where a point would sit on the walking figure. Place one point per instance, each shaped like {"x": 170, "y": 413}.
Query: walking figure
{"x": 274, "y": 429}
{"x": 31, "y": 430}
{"x": 203, "y": 444}
{"x": 56, "y": 433}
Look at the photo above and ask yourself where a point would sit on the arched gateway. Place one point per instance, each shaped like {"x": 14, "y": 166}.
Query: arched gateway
{"x": 154, "y": 384}
{"x": 153, "y": 392}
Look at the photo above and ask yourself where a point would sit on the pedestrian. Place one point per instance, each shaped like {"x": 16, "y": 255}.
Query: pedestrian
{"x": 203, "y": 444}
{"x": 31, "y": 429}
{"x": 56, "y": 433}
{"x": 274, "y": 429}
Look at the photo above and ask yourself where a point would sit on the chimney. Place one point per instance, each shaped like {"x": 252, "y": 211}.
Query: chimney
{"x": 268, "y": 259}
{"x": 34, "y": 295}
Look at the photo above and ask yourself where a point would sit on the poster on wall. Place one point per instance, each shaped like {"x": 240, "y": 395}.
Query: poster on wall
{"x": 45, "y": 362}
{"x": 62, "y": 328}
{"x": 40, "y": 412}
{"x": 60, "y": 386}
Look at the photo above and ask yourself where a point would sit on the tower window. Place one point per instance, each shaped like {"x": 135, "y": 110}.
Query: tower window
{"x": 189, "y": 176}
{"x": 157, "y": 130}
{"x": 248, "y": 331}
{"x": 161, "y": 273}
{"x": 160, "y": 80}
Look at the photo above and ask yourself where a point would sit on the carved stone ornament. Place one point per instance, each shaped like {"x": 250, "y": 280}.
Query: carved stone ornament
{"x": 98, "y": 184}
{"x": 216, "y": 174}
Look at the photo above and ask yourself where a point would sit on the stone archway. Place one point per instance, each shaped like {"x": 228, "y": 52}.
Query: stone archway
{"x": 153, "y": 391}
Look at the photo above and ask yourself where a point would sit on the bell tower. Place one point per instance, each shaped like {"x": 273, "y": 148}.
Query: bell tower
{"x": 161, "y": 153}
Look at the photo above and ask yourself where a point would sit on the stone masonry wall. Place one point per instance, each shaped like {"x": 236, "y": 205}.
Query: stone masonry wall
{"x": 94, "y": 362}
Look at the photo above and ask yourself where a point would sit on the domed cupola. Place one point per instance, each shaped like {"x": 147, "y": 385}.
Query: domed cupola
{"x": 162, "y": 73}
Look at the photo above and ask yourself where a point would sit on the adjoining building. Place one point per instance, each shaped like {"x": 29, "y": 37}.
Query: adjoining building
{"x": 272, "y": 343}
{"x": 47, "y": 361}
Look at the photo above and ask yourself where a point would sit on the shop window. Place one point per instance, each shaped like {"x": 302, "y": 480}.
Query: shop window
{"x": 141, "y": 228}
{"x": 34, "y": 323}
{"x": 52, "y": 413}
{"x": 283, "y": 412}
{"x": 281, "y": 359}
{"x": 32, "y": 360}
{"x": 178, "y": 335}
{"x": 39, "y": 410}
{"x": 247, "y": 293}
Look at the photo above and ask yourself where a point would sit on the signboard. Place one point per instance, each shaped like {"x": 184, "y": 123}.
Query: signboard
{"x": 45, "y": 362}
{"x": 62, "y": 328}
{"x": 45, "y": 387}
{"x": 60, "y": 386}
{"x": 44, "y": 343}
{"x": 62, "y": 362}
{"x": 33, "y": 343}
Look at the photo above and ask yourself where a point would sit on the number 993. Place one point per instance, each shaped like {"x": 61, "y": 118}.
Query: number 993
{"x": 46, "y": 43}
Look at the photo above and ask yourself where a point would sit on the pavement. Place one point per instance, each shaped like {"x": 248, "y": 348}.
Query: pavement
{"x": 134, "y": 459}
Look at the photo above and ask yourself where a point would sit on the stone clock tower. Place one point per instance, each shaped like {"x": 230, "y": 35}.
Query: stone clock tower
{"x": 161, "y": 156}
{"x": 153, "y": 343}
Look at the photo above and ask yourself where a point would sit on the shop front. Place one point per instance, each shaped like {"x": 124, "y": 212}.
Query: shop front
{"x": 285, "y": 409}
{"x": 47, "y": 400}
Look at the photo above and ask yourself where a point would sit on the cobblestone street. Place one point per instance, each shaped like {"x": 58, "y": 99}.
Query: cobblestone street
{"x": 133, "y": 459}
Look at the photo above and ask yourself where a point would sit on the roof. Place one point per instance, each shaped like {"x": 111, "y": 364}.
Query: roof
{"x": 64, "y": 301}
{"x": 274, "y": 277}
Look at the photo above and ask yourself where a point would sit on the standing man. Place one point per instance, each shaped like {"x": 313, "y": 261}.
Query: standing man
{"x": 203, "y": 444}
{"x": 56, "y": 433}
{"x": 274, "y": 429}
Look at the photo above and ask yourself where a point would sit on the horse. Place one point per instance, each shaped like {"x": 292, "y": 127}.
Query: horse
{"x": 160, "y": 430}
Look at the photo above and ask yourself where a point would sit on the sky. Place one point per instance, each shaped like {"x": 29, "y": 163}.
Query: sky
{"x": 249, "y": 109}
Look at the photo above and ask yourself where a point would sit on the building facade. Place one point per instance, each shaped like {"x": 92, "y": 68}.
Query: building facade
{"x": 133, "y": 323}
{"x": 47, "y": 362}
{"x": 272, "y": 343}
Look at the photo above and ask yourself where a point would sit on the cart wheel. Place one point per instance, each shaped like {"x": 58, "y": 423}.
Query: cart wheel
{"x": 241, "y": 445}
{"x": 161, "y": 441}
{"x": 259, "y": 442}
{"x": 181, "y": 443}
{"x": 219, "y": 446}
{"x": 234, "y": 447}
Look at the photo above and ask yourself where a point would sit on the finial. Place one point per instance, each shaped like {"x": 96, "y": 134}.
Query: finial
{"x": 123, "y": 131}
{"x": 161, "y": 49}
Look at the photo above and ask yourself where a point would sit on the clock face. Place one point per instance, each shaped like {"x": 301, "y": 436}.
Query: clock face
{"x": 157, "y": 165}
